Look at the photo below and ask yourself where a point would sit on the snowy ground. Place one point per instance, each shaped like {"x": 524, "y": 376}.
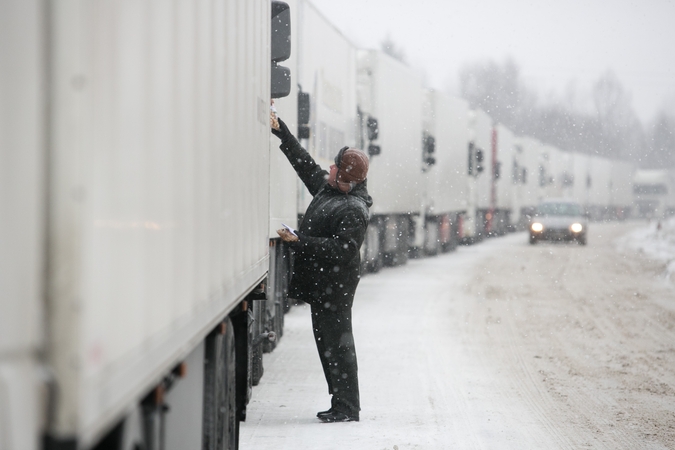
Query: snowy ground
{"x": 501, "y": 345}
{"x": 656, "y": 241}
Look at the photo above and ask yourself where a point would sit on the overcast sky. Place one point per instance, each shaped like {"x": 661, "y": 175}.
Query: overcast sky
{"x": 555, "y": 43}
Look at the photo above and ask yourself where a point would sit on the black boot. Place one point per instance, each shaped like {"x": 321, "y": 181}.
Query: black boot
{"x": 324, "y": 413}
{"x": 337, "y": 416}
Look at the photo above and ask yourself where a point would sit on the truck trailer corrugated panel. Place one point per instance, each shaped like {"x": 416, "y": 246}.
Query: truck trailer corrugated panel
{"x": 506, "y": 158}
{"x": 22, "y": 191}
{"x": 327, "y": 71}
{"x": 158, "y": 193}
{"x": 480, "y": 125}
{"x": 392, "y": 93}
{"x": 446, "y": 119}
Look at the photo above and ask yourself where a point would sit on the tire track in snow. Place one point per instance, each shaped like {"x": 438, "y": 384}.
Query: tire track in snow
{"x": 569, "y": 324}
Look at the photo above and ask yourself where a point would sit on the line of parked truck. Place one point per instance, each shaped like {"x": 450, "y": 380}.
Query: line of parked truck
{"x": 441, "y": 173}
{"x": 141, "y": 278}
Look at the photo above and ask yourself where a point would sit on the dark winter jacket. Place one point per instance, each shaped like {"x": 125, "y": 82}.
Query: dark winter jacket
{"x": 327, "y": 258}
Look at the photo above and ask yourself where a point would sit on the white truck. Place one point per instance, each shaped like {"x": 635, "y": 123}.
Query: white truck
{"x": 547, "y": 159}
{"x": 283, "y": 205}
{"x": 392, "y": 93}
{"x": 529, "y": 191}
{"x": 134, "y": 150}
{"x": 504, "y": 173}
{"x": 562, "y": 173}
{"x": 599, "y": 187}
{"x": 327, "y": 82}
{"x": 621, "y": 189}
{"x": 581, "y": 179}
{"x": 480, "y": 130}
{"x": 321, "y": 112}
{"x": 654, "y": 193}
{"x": 445, "y": 167}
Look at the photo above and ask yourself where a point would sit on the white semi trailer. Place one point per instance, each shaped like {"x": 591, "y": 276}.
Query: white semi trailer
{"x": 328, "y": 89}
{"x": 547, "y": 159}
{"x": 654, "y": 193}
{"x": 562, "y": 174}
{"x": 321, "y": 112}
{"x": 446, "y": 139}
{"x": 391, "y": 93}
{"x": 480, "y": 130}
{"x": 283, "y": 209}
{"x": 599, "y": 187}
{"x": 529, "y": 191}
{"x": 135, "y": 167}
{"x": 22, "y": 238}
{"x": 552, "y": 159}
{"x": 621, "y": 189}
{"x": 581, "y": 179}
{"x": 445, "y": 165}
{"x": 504, "y": 173}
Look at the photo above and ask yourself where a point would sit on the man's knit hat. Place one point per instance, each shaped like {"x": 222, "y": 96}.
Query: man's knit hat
{"x": 352, "y": 164}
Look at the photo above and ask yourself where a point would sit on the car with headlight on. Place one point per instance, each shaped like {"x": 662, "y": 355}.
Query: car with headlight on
{"x": 559, "y": 220}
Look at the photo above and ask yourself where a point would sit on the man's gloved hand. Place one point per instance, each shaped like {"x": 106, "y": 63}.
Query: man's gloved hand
{"x": 287, "y": 236}
{"x": 283, "y": 132}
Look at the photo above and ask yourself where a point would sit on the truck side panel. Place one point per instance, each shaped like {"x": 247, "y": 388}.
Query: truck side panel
{"x": 284, "y": 182}
{"x": 599, "y": 193}
{"x": 446, "y": 120}
{"x": 505, "y": 185}
{"x": 159, "y": 201}
{"x": 22, "y": 159}
{"x": 327, "y": 71}
{"x": 392, "y": 93}
{"x": 481, "y": 129}
{"x": 580, "y": 188}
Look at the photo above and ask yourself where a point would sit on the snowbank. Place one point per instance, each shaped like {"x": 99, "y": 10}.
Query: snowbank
{"x": 656, "y": 241}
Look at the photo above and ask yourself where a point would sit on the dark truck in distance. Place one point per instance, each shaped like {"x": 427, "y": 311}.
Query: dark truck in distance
{"x": 559, "y": 220}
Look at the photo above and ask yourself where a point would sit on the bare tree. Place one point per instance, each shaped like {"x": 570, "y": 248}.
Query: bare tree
{"x": 612, "y": 130}
{"x": 662, "y": 149}
{"x": 620, "y": 130}
{"x": 497, "y": 89}
{"x": 392, "y": 49}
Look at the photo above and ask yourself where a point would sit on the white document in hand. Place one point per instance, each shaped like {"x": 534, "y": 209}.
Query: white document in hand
{"x": 289, "y": 229}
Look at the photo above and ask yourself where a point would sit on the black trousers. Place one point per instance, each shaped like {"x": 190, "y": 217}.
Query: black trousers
{"x": 332, "y": 326}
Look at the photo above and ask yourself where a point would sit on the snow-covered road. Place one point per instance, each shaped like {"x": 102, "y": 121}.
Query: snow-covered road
{"x": 500, "y": 345}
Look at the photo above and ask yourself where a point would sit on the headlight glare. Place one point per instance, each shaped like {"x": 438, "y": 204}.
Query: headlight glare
{"x": 576, "y": 227}
{"x": 537, "y": 227}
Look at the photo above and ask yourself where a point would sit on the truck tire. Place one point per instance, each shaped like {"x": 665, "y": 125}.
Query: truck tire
{"x": 533, "y": 240}
{"x": 220, "y": 421}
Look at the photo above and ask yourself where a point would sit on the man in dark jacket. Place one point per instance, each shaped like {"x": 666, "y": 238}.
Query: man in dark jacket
{"x": 327, "y": 263}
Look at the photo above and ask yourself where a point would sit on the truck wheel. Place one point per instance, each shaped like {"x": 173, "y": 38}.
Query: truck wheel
{"x": 220, "y": 422}
{"x": 533, "y": 240}
{"x": 582, "y": 239}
